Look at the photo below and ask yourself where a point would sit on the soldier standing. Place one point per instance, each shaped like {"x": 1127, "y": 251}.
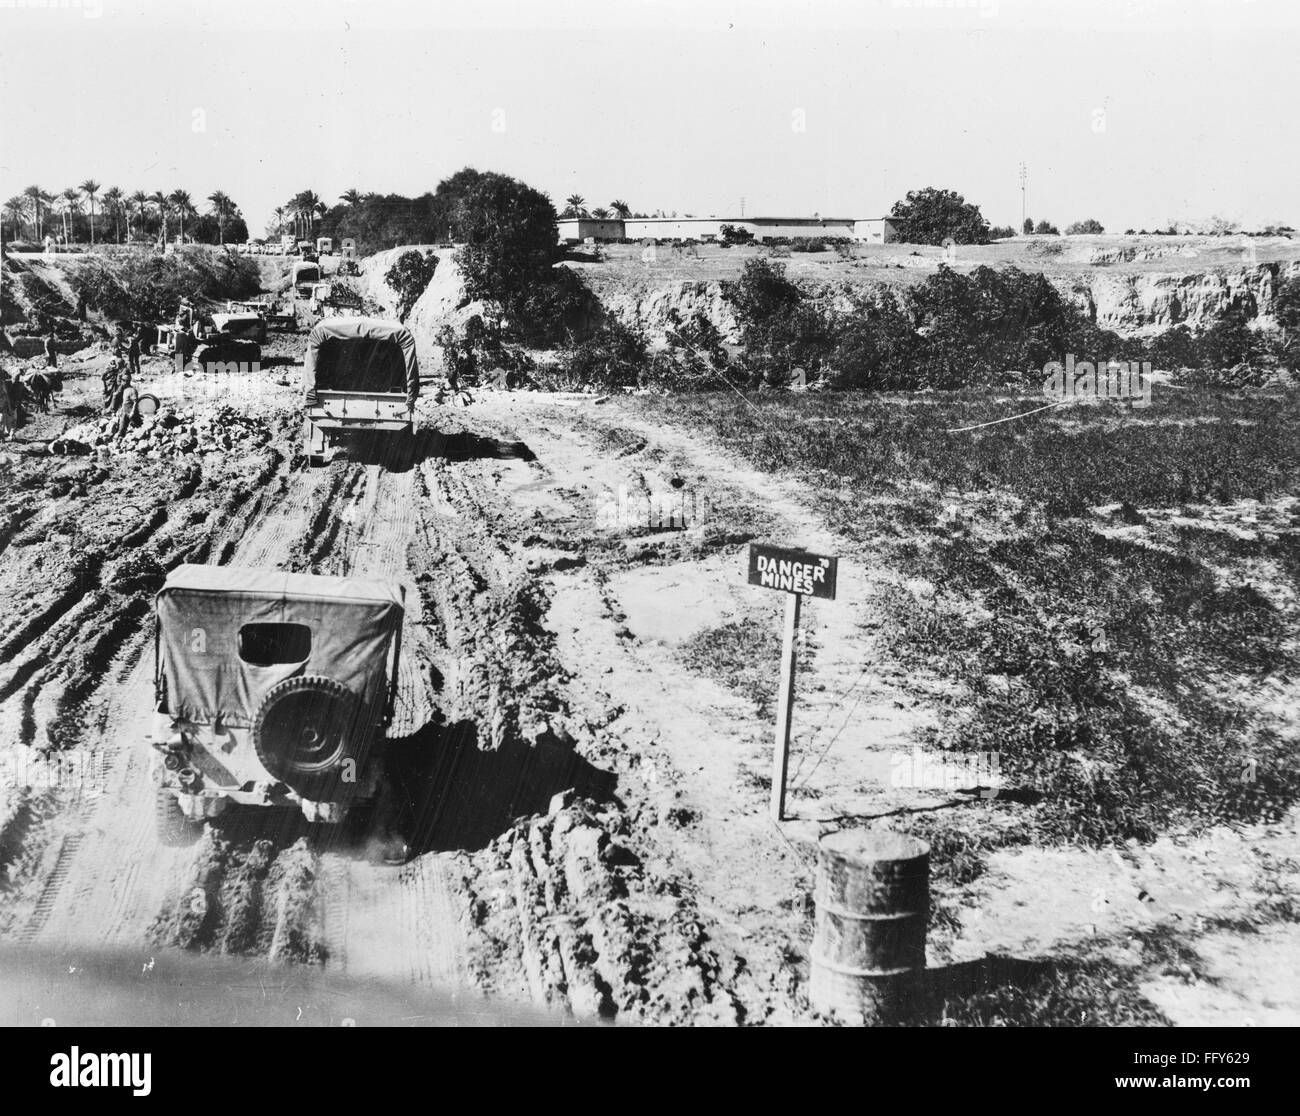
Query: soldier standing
{"x": 8, "y": 412}
{"x": 133, "y": 355}
{"x": 129, "y": 397}
{"x": 51, "y": 353}
{"x": 111, "y": 377}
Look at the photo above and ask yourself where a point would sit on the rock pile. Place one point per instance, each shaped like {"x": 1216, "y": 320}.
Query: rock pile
{"x": 170, "y": 433}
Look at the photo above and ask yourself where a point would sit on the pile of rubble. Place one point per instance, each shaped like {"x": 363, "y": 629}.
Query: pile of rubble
{"x": 170, "y": 433}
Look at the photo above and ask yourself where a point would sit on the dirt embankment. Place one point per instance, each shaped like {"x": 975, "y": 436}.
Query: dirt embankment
{"x": 1130, "y": 286}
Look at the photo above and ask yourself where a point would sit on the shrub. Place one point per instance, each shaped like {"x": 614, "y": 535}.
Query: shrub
{"x": 613, "y": 357}
{"x": 144, "y": 286}
{"x": 874, "y": 347}
{"x": 409, "y": 277}
{"x": 1001, "y": 232}
{"x": 930, "y": 216}
{"x": 1083, "y": 227}
{"x": 1046, "y": 228}
{"x": 734, "y": 234}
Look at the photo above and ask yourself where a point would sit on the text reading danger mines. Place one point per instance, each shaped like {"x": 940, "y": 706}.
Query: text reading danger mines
{"x": 792, "y": 571}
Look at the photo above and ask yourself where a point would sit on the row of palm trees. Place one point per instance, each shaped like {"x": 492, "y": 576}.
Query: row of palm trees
{"x": 575, "y": 205}
{"x": 304, "y": 209}
{"x": 35, "y": 206}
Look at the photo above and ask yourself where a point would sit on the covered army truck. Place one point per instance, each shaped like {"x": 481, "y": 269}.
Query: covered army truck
{"x": 302, "y": 277}
{"x": 270, "y": 689}
{"x": 360, "y": 376}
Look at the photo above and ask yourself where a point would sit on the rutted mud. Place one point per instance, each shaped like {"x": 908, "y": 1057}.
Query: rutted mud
{"x": 549, "y": 837}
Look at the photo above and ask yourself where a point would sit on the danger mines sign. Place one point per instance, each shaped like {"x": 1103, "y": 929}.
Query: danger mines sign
{"x": 792, "y": 571}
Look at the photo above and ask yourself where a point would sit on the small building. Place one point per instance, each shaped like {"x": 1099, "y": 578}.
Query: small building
{"x": 872, "y": 230}
{"x": 877, "y": 230}
{"x": 575, "y": 230}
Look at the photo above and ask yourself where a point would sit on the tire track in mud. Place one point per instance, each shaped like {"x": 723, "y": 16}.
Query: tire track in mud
{"x": 387, "y": 921}
{"x": 114, "y": 888}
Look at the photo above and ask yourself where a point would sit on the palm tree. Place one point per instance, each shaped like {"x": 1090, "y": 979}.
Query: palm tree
{"x": 350, "y": 197}
{"x": 71, "y": 207}
{"x": 139, "y": 200}
{"x": 621, "y": 208}
{"x": 600, "y": 213}
{"x": 221, "y": 208}
{"x": 575, "y": 202}
{"x": 161, "y": 203}
{"x": 184, "y": 207}
{"x": 280, "y": 211}
{"x": 90, "y": 188}
{"x": 13, "y": 212}
{"x": 310, "y": 206}
{"x": 36, "y": 197}
{"x": 113, "y": 205}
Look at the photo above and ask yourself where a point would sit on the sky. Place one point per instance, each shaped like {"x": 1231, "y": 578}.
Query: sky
{"x": 1134, "y": 112}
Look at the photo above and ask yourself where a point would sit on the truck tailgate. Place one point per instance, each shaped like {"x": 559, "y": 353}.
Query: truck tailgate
{"x": 360, "y": 410}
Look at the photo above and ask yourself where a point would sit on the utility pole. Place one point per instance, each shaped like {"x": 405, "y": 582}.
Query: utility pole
{"x": 742, "y": 205}
{"x": 1024, "y": 174}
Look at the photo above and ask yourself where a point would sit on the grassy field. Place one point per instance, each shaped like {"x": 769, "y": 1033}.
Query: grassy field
{"x": 1115, "y": 591}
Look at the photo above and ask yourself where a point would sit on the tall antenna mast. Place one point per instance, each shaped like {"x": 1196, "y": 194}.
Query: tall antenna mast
{"x": 1024, "y": 174}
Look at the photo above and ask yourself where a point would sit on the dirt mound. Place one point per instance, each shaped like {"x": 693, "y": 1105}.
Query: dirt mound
{"x": 565, "y": 899}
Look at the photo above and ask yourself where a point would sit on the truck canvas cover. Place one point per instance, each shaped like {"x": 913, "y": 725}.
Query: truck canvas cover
{"x": 204, "y": 619}
{"x": 305, "y": 273}
{"x": 361, "y": 355}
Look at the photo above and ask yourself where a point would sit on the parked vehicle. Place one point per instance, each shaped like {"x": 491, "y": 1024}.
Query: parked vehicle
{"x": 303, "y": 277}
{"x": 244, "y": 324}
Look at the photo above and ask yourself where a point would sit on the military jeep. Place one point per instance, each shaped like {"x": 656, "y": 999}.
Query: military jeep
{"x": 271, "y": 689}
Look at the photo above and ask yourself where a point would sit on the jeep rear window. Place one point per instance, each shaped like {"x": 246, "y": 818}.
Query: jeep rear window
{"x": 269, "y": 644}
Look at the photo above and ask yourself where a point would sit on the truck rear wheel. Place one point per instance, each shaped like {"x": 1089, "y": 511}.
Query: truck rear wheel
{"x": 174, "y": 828}
{"x": 306, "y": 734}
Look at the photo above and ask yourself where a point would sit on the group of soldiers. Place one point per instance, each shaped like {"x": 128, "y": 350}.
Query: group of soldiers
{"x": 120, "y": 393}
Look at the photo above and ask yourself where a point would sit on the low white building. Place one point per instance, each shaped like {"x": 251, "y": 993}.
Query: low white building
{"x": 574, "y": 230}
{"x": 872, "y": 230}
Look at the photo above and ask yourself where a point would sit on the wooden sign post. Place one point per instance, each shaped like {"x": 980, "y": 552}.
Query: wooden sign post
{"x": 798, "y": 574}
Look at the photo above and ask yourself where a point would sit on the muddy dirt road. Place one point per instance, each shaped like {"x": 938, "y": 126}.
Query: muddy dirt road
{"x": 582, "y": 794}
{"x": 491, "y": 726}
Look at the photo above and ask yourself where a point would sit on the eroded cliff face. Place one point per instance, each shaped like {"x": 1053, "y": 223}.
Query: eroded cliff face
{"x": 1150, "y": 303}
{"x": 443, "y": 303}
{"x": 1130, "y": 303}
{"x": 653, "y": 307}
{"x": 1135, "y": 303}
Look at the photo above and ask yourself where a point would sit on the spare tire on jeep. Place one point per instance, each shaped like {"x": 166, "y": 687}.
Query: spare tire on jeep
{"x": 306, "y": 731}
